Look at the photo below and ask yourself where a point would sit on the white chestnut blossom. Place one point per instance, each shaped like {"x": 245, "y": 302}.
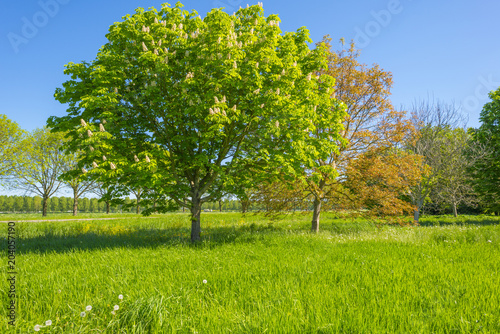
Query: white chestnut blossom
{"x": 136, "y": 159}
{"x": 89, "y": 133}
{"x": 112, "y": 165}
{"x": 84, "y": 170}
{"x": 94, "y": 165}
{"x": 104, "y": 158}
{"x": 144, "y": 47}
{"x": 82, "y": 122}
{"x": 147, "y": 159}
{"x": 101, "y": 127}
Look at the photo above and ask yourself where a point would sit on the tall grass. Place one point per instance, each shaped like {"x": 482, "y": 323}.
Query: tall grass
{"x": 356, "y": 276}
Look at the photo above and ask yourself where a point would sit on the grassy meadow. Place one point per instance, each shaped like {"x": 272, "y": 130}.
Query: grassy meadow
{"x": 254, "y": 275}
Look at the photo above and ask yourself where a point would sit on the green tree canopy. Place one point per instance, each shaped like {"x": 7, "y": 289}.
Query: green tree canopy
{"x": 190, "y": 107}
{"x": 10, "y": 136}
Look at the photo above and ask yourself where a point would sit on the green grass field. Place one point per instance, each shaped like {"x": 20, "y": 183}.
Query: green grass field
{"x": 261, "y": 276}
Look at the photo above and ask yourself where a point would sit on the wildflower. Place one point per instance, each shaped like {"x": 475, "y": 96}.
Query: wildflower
{"x": 84, "y": 170}
{"x": 82, "y": 314}
{"x": 48, "y": 322}
{"x": 101, "y": 127}
{"x": 136, "y": 159}
{"x": 113, "y": 312}
{"x": 116, "y": 307}
{"x": 37, "y": 328}
{"x": 113, "y": 166}
{"x": 204, "y": 281}
{"x": 120, "y": 296}
{"x": 88, "y": 308}
{"x": 489, "y": 240}
{"x": 94, "y": 164}
{"x": 147, "y": 159}
{"x": 144, "y": 47}
{"x": 59, "y": 291}
{"x": 104, "y": 158}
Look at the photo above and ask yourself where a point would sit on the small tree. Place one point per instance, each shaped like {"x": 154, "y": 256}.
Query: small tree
{"x": 43, "y": 163}
{"x": 10, "y": 137}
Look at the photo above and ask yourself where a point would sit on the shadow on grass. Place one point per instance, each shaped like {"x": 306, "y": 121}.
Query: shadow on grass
{"x": 462, "y": 221}
{"x": 143, "y": 238}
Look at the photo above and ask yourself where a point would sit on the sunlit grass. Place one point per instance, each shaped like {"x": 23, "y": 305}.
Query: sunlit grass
{"x": 356, "y": 276}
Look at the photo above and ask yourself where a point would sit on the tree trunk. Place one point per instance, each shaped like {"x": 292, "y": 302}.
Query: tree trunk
{"x": 138, "y": 208}
{"x": 75, "y": 202}
{"x": 107, "y": 207}
{"x": 316, "y": 212}
{"x": 44, "y": 206}
{"x": 220, "y": 205}
{"x": 245, "y": 204}
{"x": 416, "y": 215}
{"x": 195, "y": 219}
{"x": 455, "y": 214}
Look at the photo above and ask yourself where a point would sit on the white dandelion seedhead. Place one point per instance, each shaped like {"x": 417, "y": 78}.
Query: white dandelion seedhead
{"x": 147, "y": 159}
{"x": 136, "y": 159}
{"x": 48, "y": 322}
{"x": 101, "y": 127}
{"x": 120, "y": 296}
{"x": 277, "y": 124}
{"x": 204, "y": 281}
{"x": 104, "y": 158}
{"x": 89, "y": 133}
{"x": 37, "y": 328}
{"x": 82, "y": 122}
{"x": 113, "y": 312}
{"x": 256, "y": 91}
{"x": 84, "y": 170}
{"x": 144, "y": 47}
{"x": 82, "y": 314}
{"x": 216, "y": 99}
{"x": 94, "y": 164}
{"x": 88, "y": 308}
{"x": 116, "y": 308}
{"x": 113, "y": 166}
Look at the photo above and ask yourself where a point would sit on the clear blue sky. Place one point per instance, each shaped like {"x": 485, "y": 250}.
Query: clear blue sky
{"x": 446, "y": 49}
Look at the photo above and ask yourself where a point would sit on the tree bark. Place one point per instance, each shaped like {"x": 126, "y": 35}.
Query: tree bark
{"x": 316, "y": 212}
{"x": 195, "y": 219}
{"x": 416, "y": 215}
{"x": 455, "y": 214}
{"x": 107, "y": 207}
{"x": 44, "y": 206}
{"x": 220, "y": 205}
{"x": 75, "y": 202}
